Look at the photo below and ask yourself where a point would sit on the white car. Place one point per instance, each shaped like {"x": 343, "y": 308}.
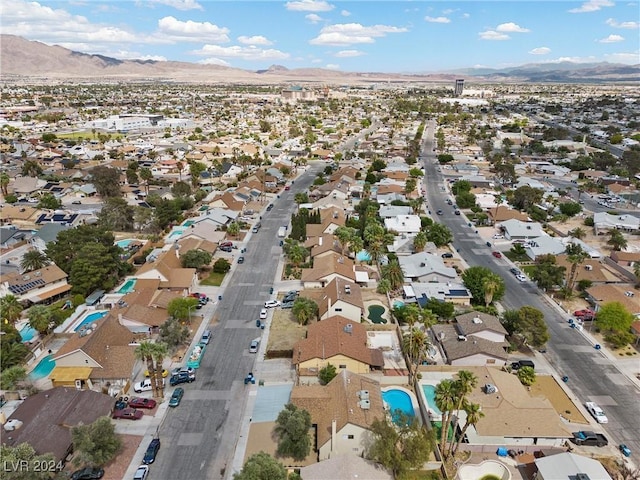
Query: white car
{"x": 141, "y": 473}
{"x": 271, "y": 303}
{"x": 253, "y": 348}
{"x": 521, "y": 277}
{"x": 263, "y": 314}
{"x": 144, "y": 386}
{"x": 497, "y": 236}
{"x": 597, "y": 412}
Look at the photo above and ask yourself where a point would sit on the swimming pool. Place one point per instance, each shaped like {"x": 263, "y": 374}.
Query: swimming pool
{"x": 128, "y": 286}
{"x": 124, "y": 243}
{"x": 430, "y": 396}
{"x": 375, "y": 314}
{"x": 27, "y": 333}
{"x": 398, "y": 399}
{"x": 188, "y": 223}
{"x": 43, "y": 368}
{"x": 176, "y": 233}
{"x": 398, "y": 304}
{"x": 92, "y": 317}
{"x": 363, "y": 256}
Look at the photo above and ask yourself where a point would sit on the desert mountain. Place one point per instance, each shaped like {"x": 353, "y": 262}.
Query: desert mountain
{"x": 24, "y": 59}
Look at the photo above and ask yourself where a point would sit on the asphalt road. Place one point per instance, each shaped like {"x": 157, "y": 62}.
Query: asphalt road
{"x": 592, "y": 376}
{"x": 199, "y": 436}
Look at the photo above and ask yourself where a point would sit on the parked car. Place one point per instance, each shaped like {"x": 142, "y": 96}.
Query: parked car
{"x": 287, "y": 188}
{"x": 226, "y": 249}
{"x": 457, "y": 212}
{"x": 263, "y": 314}
{"x": 289, "y": 298}
{"x": 76, "y": 202}
{"x": 87, "y": 473}
{"x": 271, "y": 304}
{"x": 521, "y": 277}
{"x": 128, "y": 414}
{"x": 447, "y": 255}
{"x": 144, "y": 386}
{"x": 206, "y": 337}
{"x": 287, "y": 305}
{"x": 253, "y": 347}
{"x": 439, "y": 212}
{"x": 515, "y": 271}
{"x": 589, "y": 439}
{"x": 152, "y": 451}
{"x": 269, "y": 207}
{"x": 226, "y": 244}
{"x": 240, "y": 259}
{"x": 181, "y": 377}
{"x": 189, "y": 370}
{"x": 141, "y": 473}
{"x": 140, "y": 402}
{"x": 585, "y": 313}
{"x": 626, "y": 451}
{"x": 496, "y": 254}
{"x": 596, "y": 412}
{"x": 522, "y": 363}
{"x": 176, "y": 397}
{"x": 497, "y": 236}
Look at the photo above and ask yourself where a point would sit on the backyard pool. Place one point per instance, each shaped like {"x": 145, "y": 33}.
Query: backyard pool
{"x": 398, "y": 399}
{"x": 175, "y": 234}
{"x": 375, "y": 314}
{"x": 188, "y": 223}
{"x": 92, "y": 317}
{"x": 363, "y": 256}
{"x": 430, "y": 396}
{"x": 398, "y": 304}
{"x": 27, "y": 333}
{"x": 128, "y": 286}
{"x": 43, "y": 368}
{"x": 124, "y": 243}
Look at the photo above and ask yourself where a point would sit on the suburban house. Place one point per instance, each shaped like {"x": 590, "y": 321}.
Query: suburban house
{"x": 568, "y": 465}
{"x": 19, "y": 215}
{"x": 390, "y": 211}
{"x": 46, "y": 419}
{"x": 518, "y": 230}
{"x": 590, "y": 269}
{"x": 451, "y": 292}
{"x": 502, "y": 214}
{"x": 332, "y": 266}
{"x": 323, "y": 245}
{"x": 404, "y": 224}
{"x": 38, "y": 286}
{"x": 167, "y": 268}
{"x": 330, "y": 220}
{"x": 625, "y": 294}
{"x": 144, "y": 309}
{"x": 341, "y": 413}
{"x": 338, "y": 341}
{"x": 100, "y": 359}
{"x": 544, "y": 245}
{"x": 603, "y": 221}
{"x": 345, "y": 467}
{"x": 227, "y": 201}
{"x": 625, "y": 259}
{"x": 426, "y": 267}
{"x": 338, "y": 297}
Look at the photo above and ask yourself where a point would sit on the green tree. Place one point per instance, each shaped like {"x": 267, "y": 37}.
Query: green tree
{"x": 392, "y": 271}
{"x": 32, "y": 469}
{"x": 49, "y": 201}
{"x": 617, "y": 240}
{"x": 578, "y": 233}
{"x": 94, "y": 267}
{"x": 400, "y": 445}
{"x": 570, "y": 209}
{"x": 532, "y": 326}
{"x": 420, "y": 241}
{"x": 463, "y": 386}
{"x": 445, "y": 398}
{"x": 95, "y": 444}
{"x": 304, "y": 310}
{"x": 5, "y": 179}
{"x": 526, "y": 375}
{"x": 195, "y": 169}
{"x": 490, "y": 285}
{"x": 173, "y": 333}
{"x": 10, "y": 309}
{"x": 146, "y": 176}
{"x": 106, "y": 180}
{"x": 233, "y": 229}
{"x": 474, "y": 279}
{"x": 33, "y": 259}
{"x": 181, "y": 189}
{"x": 132, "y": 176}
{"x": 221, "y": 265}
{"x": 439, "y": 234}
{"x": 525, "y": 197}
{"x": 461, "y": 186}
{"x": 166, "y": 211}
{"x": 261, "y": 466}
{"x": 116, "y": 215}
{"x": 10, "y": 378}
{"x": 548, "y": 273}
{"x": 301, "y": 197}
{"x": 466, "y": 200}
{"x": 195, "y": 258}
{"x": 614, "y": 317}
{"x": 39, "y": 317}
{"x": 31, "y": 168}
{"x": 328, "y": 373}
{"x": 182, "y": 307}
{"x": 384, "y": 286}
{"x": 440, "y": 309}
{"x": 153, "y": 354}
{"x": 292, "y": 431}
{"x": 474, "y": 415}
{"x": 415, "y": 344}
{"x": 575, "y": 256}
{"x": 297, "y": 254}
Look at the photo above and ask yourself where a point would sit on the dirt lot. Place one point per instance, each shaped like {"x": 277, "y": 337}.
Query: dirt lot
{"x": 116, "y": 469}
{"x": 547, "y": 387}
{"x": 285, "y": 331}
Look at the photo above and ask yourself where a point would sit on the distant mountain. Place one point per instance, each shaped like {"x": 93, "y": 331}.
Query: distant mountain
{"x": 26, "y": 59}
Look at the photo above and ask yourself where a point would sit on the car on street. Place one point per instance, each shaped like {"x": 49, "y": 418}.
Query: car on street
{"x": 181, "y": 377}
{"x": 141, "y": 402}
{"x": 589, "y": 439}
{"x": 263, "y": 314}
{"x": 269, "y": 207}
{"x": 206, "y": 337}
{"x": 88, "y": 473}
{"x": 128, "y": 414}
{"x": 287, "y": 188}
{"x": 141, "y": 473}
{"x": 626, "y": 451}
{"x": 253, "y": 347}
{"x": 191, "y": 371}
{"x": 240, "y": 259}
{"x": 76, "y": 202}
{"x": 176, "y": 397}
{"x": 457, "y": 212}
{"x": 496, "y": 254}
{"x": 271, "y": 304}
{"x": 515, "y": 271}
{"x": 152, "y": 451}
{"x": 521, "y": 277}
{"x": 596, "y": 412}
{"x": 439, "y": 212}
{"x": 585, "y": 313}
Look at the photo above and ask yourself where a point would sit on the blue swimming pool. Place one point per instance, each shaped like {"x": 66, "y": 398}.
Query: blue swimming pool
{"x": 124, "y": 243}
{"x": 92, "y": 317}
{"x": 430, "y": 395}
{"x": 27, "y": 333}
{"x": 128, "y": 286}
{"x": 398, "y": 399}
{"x": 398, "y": 304}
{"x": 44, "y": 368}
{"x": 176, "y": 233}
{"x": 363, "y": 256}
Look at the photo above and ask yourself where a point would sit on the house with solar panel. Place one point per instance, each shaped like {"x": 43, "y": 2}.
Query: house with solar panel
{"x": 44, "y": 285}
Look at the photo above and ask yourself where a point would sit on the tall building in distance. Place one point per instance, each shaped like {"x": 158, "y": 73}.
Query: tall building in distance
{"x": 459, "y": 87}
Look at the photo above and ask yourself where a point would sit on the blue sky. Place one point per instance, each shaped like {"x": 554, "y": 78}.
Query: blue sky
{"x": 362, "y": 36}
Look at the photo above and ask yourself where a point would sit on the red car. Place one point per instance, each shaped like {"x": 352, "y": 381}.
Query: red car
{"x": 128, "y": 413}
{"x": 496, "y": 254}
{"x": 140, "y": 402}
{"x": 584, "y": 313}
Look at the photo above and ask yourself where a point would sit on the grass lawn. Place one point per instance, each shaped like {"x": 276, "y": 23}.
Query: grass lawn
{"x": 284, "y": 331}
{"x": 514, "y": 257}
{"x": 213, "y": 280}
{"x": 529, "y": 270}
{"x": 421, "y": 475}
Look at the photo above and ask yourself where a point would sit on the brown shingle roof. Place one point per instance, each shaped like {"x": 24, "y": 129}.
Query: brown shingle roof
{"x": 334, "y": 263}
{"x": 469, "y": 325}
{"x": 49, "y": 274}
{"x": 335, "y": 291}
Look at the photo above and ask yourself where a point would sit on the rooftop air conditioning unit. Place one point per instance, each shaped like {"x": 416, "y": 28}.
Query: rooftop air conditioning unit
{"x": 348, "y": 328}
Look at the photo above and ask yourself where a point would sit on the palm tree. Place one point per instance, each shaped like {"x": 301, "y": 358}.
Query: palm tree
{"x": 445, "y": 397}
{"x": 419, "y": 241}
{"x": 617, "y": 240}
{"x": 39, "y": 318}
{"x": 463, "y": 385}
{"x": 416, "y": 204}
{"x": 415, "y": 344}
{"x": 474, "y": 414}
{"x": 10, "y": 308}
{"x": 578, "y": 233}
{"x": 179, "y": 166}
{"x": 490, "y": 285}
{"x": 145, "y": 352}
{"x": 4, "y": 183}
{"x": 393, "y": 272}
{"x": 297, "y": 254}
{"x": 575, "y": 256}
{"x": 344, "y": 235}
{"x": 146, "y": 175}
{"x": 356, "y": 245}
{"x": 158, "y": 352}
{"x": 33, "y": 260}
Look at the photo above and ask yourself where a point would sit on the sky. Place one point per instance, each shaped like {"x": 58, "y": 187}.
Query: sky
{"x": 356, "y": 36}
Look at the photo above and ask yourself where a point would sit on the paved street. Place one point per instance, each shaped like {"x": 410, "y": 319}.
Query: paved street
{"x": 593, "y": 375}
{"x": 199, "y": 436}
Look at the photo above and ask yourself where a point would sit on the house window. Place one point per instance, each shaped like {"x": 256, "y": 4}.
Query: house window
{"x": 350, "y": 437}
{"x": 342, "y": 366}
{"x": 338, "y": 310}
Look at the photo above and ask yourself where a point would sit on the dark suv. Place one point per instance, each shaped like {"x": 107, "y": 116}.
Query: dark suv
{"x": 152, "y": 451}
{"x": 181, "y": 377}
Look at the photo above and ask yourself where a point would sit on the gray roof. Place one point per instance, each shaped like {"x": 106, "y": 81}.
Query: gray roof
{"x": 422, "y": 264}
{"x": 447, "y": 335}
{"x": 518, "y": 229}
{"x": 544, "y": 245}
{"x": 388, "y": 211}
{"x": 49, "y": 231}
{"x": 567, "y": 465}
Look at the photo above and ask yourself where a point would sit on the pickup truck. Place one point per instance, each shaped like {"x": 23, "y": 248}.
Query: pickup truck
{"x": 596, "y": 412}
{"x": 589, "y": 439}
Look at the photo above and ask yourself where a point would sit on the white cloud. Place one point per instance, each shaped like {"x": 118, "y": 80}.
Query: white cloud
{"x": 313, "y": 18}
{"x": 448, "y": 11}
{"x": 437, "y": 19}
{"x": 215, "y": 61}
{"x": 349, "y": 53}
{"x": 178, "y": 30}
{"x": 623, "y": 57}
{"x": 316, "y": 60}
{"x": 345, "y": 13}
{"x": 612, "y": 39}
{"x": 254, "y": 40}
{"x": 309, "y": 6}
{"x": 592, "y": 6}
{"x": 332, "y": 66}
{"x": 244, "y": 53}
{"x": 466, "y": 15}
{"x": 540, "y": 51}
{"x": 629, "y": 25}
{"x": 511, "y": 28}
{"x": 180, "y": 4}
{"x": 352, "y": 33}
{"x": 493, "y": 35}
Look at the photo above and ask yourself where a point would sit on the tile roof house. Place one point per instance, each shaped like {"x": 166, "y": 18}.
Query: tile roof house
{"x": 623, "y": 293}
{"x": 626, "y": 259}
{"x": 331, "y": 266}
{"x": 425, "y": 267}
{"x": 47, "y": 418}
{"x": 501, "y": 214}
{"x": 169, "y": 271}
{"x": 345, "y": 467}
{"x": 99, "y": 359}
{"x": 323, "y": 245}
{"x": 145, "y": 308}
{"x": 341, "y": 412}
{"x": 338, "y": 297}
{"x": 36, "y": 286}
{"x": 227, "y": 201}
{"x": 595, "y": 271}
{"x": 19, "y": 215}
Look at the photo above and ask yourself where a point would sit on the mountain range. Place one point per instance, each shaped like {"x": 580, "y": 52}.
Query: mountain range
{"x": 22, "y": 59}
